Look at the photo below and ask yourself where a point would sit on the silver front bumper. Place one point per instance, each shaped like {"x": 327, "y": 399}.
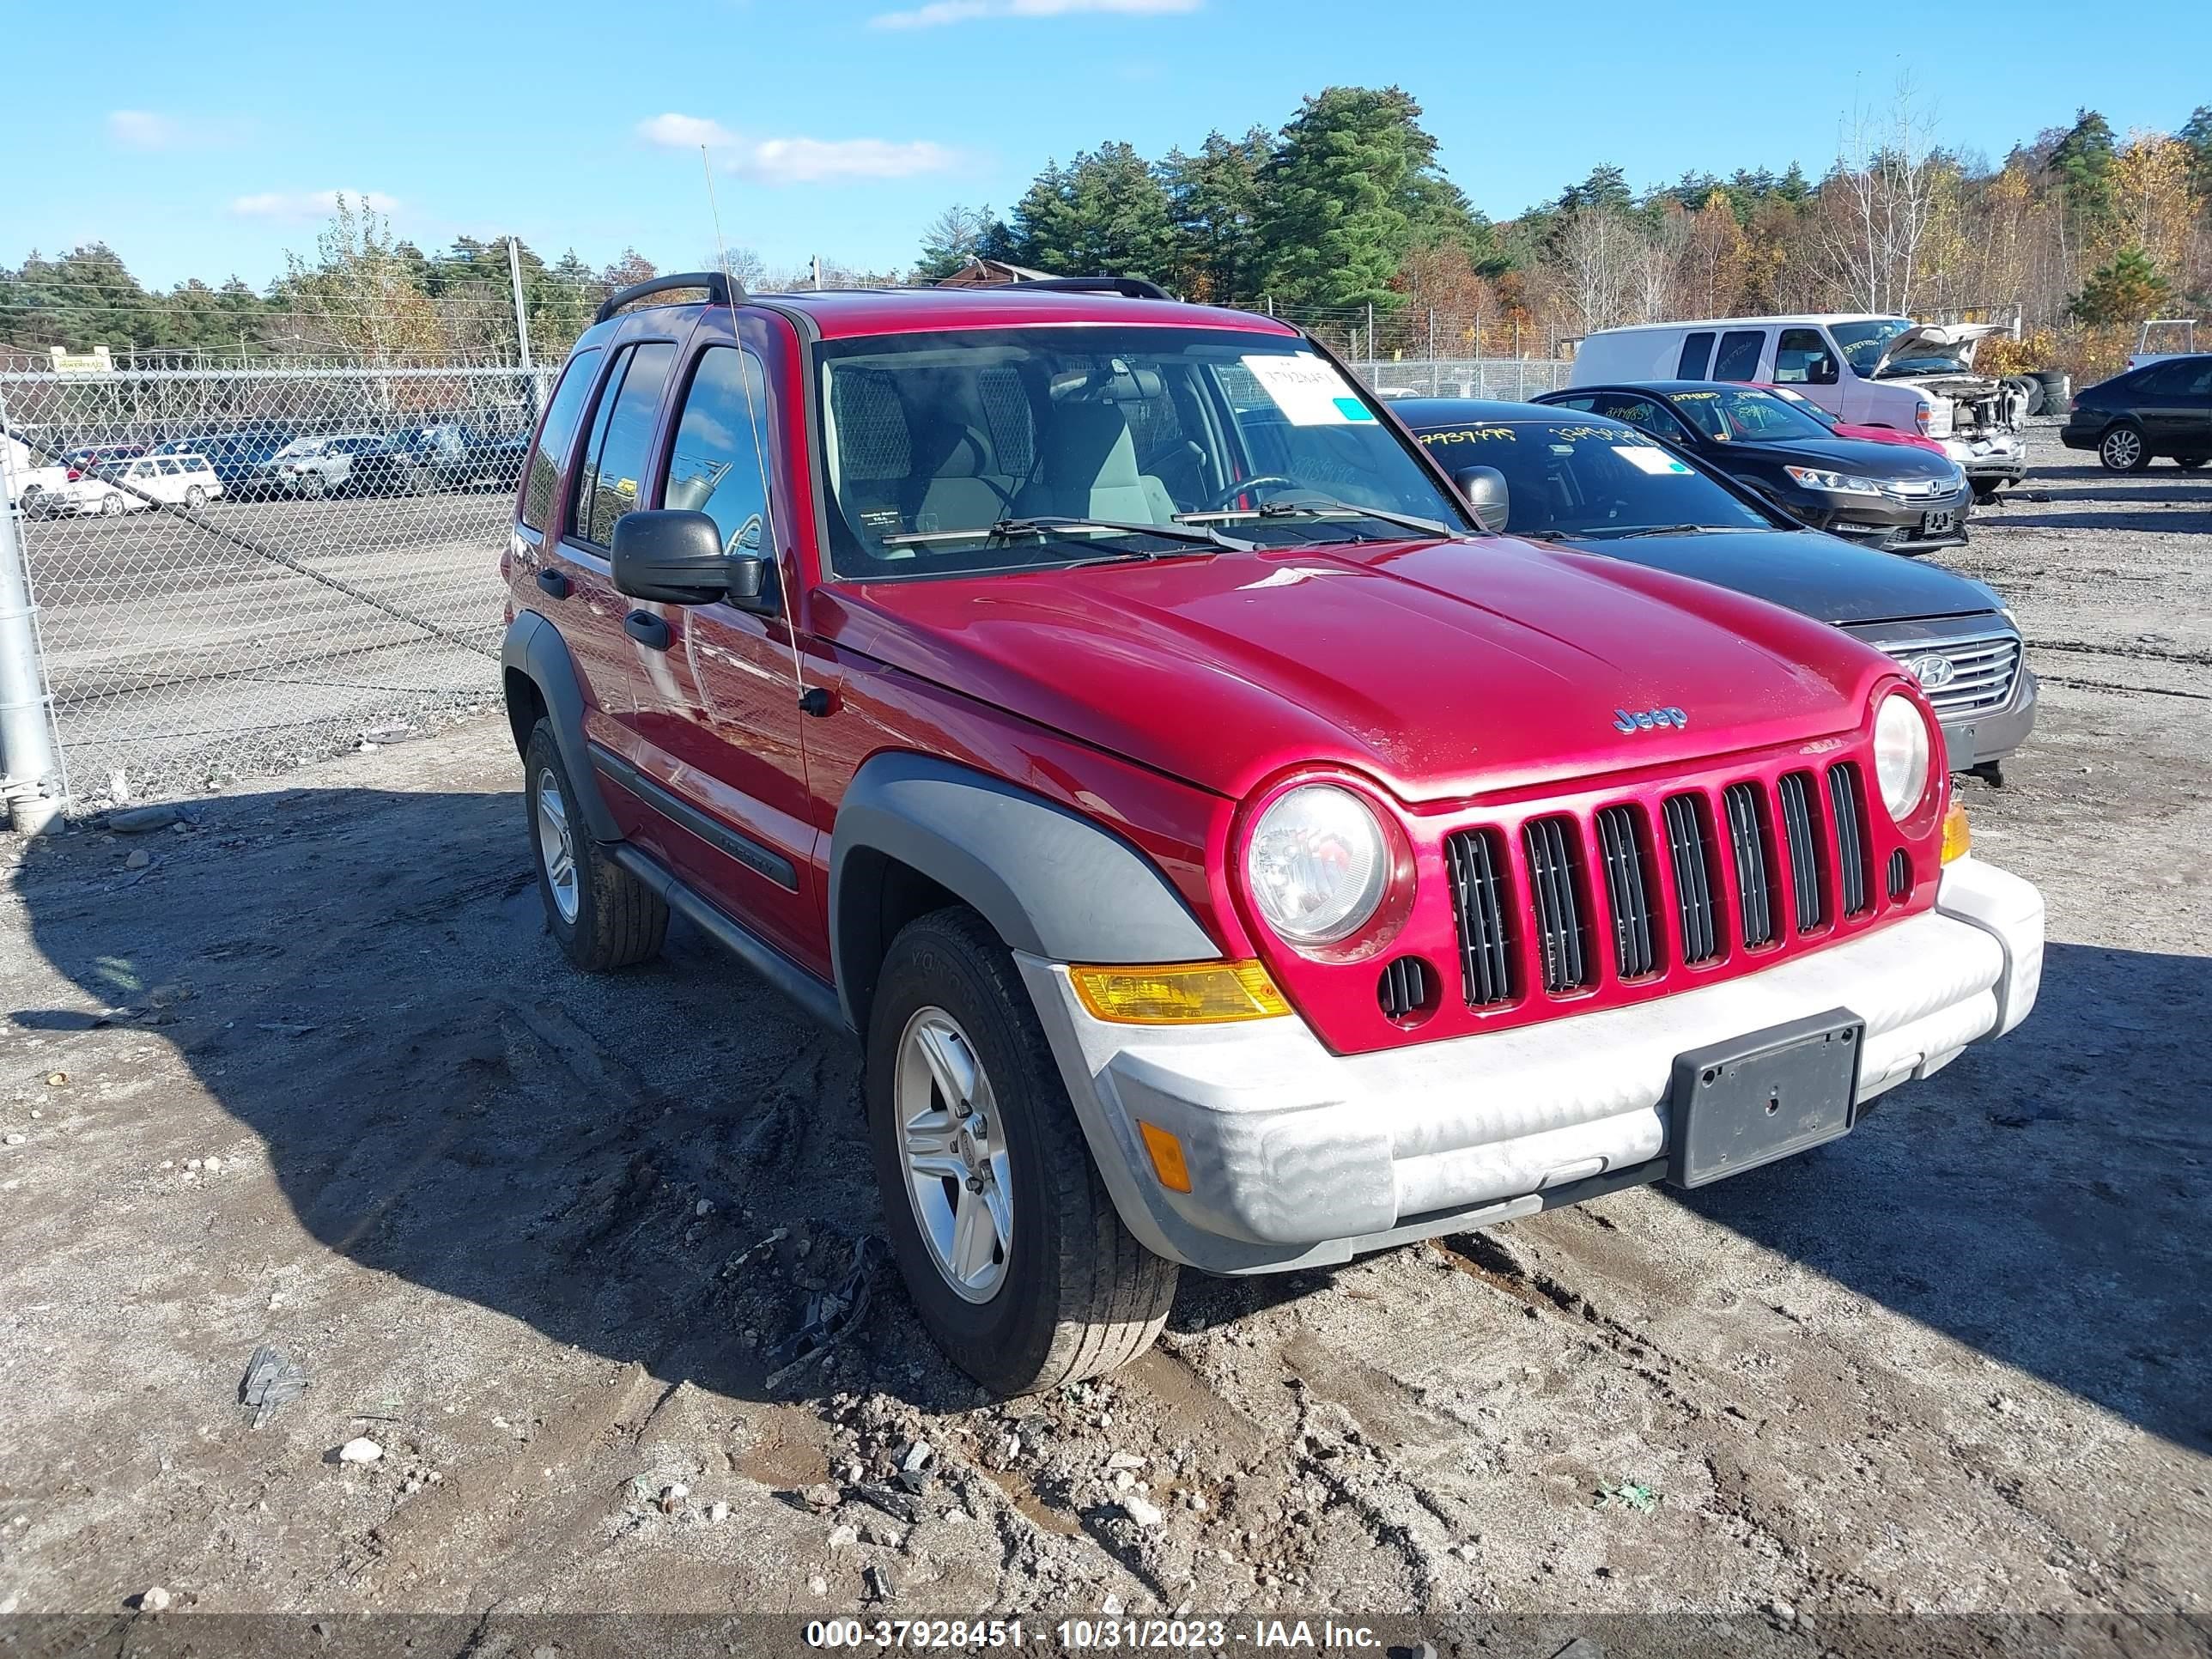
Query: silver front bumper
{"x": 1299, "y": 1158}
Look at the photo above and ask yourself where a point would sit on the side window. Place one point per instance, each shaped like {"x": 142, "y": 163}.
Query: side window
{"x": 1646, "y": 413}
{"x": 1696, "y": 355}
{"x": 1801, "y": 358}
{"x": 1585, "y": 405}
{"x": 718, "y": 464}
{"x": 170, "y": 469}
{"x": 554, "y": 439}
{"x": 1739, "y": 354}
{"x": 616, "y": 461}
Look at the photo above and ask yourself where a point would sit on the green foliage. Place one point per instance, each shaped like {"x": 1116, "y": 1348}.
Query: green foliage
{"x": 1352, "y": 187}
{"x": 1215, "y": 197}
{"x": 1106, "y": 211}
{"x": 2196, "y": 133}
{"x": 2082, "y": 164}
{"x": 954, "y": 237}
{"x": 2126, "y": 289}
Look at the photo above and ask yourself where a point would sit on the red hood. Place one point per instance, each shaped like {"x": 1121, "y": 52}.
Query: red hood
{"x": 1442, "y": 670}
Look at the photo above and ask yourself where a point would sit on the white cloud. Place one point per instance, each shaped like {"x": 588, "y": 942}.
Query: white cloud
{"x": 798, "y": 161}
{"x": 150, "y": 130}
{"x": 937, "y": 13}
{"x": 302, "y": 205}
{"x": 685, "y": 132}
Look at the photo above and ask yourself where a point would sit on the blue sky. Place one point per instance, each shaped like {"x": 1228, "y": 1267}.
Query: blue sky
{"x": 203, "y": 141}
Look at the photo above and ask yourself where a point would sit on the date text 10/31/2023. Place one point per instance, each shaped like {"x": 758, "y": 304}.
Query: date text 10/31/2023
{"x": 1170, "y": 1635}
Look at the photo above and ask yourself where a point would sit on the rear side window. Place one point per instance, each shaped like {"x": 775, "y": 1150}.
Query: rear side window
{"x": 718, "y": 464}
{"x": 553, "y": 441}
{"x": 1696, "y": 355}
{"x": 606, "y": 487}
{"x": 1739, "y": 354}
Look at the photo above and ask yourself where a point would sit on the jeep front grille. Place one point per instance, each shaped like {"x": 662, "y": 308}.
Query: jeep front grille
{"x": 1473, "y": 860}
{"x": 1979, "y": 676}
{"x": 1744, "y": 862}
{"x": 1629, "y": 889}
{"x": 1555, "y": 889}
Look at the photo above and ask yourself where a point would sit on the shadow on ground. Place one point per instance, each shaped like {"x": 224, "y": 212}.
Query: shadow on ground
{"x": 442, "y": 1098}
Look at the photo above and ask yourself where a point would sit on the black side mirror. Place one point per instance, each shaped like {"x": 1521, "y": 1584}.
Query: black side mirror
{"x": 1487, "y": 494}
{"x": 679, "y": 558}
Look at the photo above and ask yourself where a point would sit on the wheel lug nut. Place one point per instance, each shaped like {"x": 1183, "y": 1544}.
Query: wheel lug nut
{"x": 974, "y": 1183}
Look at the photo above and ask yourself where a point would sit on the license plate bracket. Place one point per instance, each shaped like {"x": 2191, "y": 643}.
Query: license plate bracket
{"x": 1938, "y": 524}
{"x": 1735, "y": 1105}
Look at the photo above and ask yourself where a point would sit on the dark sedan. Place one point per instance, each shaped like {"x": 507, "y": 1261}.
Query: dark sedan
{"x": 2164, "y": 408}
{"x": 1882, "y": 495}
{"x": 1602, "y": 486}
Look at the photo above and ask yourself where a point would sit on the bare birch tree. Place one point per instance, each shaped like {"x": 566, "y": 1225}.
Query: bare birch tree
{"x": 1877, "y": 202}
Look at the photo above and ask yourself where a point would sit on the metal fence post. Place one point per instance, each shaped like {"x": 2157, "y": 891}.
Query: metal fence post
{"x": 521, "y": 313}
{"x": 30, "y": 782}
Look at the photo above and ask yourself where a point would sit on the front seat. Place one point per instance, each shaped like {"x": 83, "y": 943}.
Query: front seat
{"x": 1090, "y": 469}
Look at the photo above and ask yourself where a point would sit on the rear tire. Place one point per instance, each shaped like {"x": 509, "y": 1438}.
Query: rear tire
{"x": 2121, "y": 449}
{"x": 604, "y": 917}
{"x": 195, "y": 497}
{"x": 1069, "y": 1293}
{"x": 113, "y": 506}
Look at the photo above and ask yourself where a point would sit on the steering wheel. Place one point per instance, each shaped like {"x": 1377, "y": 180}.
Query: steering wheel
{"x": 1243, "y": 486}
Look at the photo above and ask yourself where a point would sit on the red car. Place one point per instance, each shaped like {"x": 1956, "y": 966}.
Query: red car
{"x": 1228, "y": 853}
{"x": 1875, "y": 434}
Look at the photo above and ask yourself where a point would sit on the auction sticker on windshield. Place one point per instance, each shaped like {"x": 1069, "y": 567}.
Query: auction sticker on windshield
{"x": 1647, "y": 457}
{"x": 1308, "y": 390}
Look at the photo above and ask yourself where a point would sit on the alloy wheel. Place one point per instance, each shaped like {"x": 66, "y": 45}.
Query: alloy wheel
{"x": 557, "y": 850}
{"x": 952, "y": 1143}
{"x": 2122, "y": 448}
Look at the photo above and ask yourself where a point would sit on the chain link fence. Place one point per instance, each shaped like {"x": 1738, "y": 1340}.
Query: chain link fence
{"x": 238, "y": 571}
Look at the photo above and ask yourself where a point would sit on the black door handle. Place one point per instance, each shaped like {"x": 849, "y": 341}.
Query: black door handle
{"x": 554, "y": 583}
{"x": 646, "y": 630}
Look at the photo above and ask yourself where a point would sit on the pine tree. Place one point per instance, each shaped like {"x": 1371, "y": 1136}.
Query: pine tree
{"x": 2126, "y": 289}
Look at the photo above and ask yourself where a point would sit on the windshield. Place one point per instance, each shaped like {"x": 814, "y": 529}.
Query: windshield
{"x": 1807, "y": 407}
{"x": 1729, "y": 415}
{"x": 1015, "y": 448}
{"x": 1588, "y": 478}
{"x": 1862, "y": 344}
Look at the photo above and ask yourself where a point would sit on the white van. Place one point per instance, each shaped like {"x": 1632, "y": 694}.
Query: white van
{"x": 1866, "y": 370}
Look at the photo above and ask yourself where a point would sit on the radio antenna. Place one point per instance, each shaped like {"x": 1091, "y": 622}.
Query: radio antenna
{"x": 811, "y": 700}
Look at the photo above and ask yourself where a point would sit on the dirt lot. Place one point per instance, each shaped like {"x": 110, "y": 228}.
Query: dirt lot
{"x": 535, "y": 1234}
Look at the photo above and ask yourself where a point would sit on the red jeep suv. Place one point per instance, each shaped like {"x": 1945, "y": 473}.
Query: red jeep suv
{"x": 1230, "y": 854}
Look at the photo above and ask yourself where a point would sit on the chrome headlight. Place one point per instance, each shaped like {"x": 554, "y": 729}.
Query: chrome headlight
{"x": 1900, "y": 754}
{"x": 1316, "y": 864}
{"x": 1836, "y": 483}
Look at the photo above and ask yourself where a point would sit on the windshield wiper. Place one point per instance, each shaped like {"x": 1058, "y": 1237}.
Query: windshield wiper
{"x": 1669, "y": 530}
{"x": 1319, "y": 507}
{"x": 1042, "y": 526}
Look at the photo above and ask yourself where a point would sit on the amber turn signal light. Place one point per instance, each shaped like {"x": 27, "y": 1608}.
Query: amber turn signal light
{"x": 1166, "y": 1153}
{"x": 1957, "y": 839}
{"x": 1179, "y": 993}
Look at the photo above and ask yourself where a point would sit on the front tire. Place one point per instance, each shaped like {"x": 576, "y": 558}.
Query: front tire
{"x": 112, "y": 507}
{"x": 1010, "y": 1246}
{"x": 604, "y": 917}
{"x": 2123, "y": 449}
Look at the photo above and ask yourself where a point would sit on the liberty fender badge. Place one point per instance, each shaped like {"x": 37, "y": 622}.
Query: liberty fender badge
{"x": 1644, "y": 719}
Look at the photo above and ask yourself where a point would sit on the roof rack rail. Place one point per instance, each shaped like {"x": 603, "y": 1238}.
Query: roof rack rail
{"x": 720, "y": 291}
{"x": 1129, "y": 287}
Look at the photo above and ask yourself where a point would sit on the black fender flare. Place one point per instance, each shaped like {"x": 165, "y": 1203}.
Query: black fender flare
{"x": 534, "y": 649}
{"x": 1052, "y": 883}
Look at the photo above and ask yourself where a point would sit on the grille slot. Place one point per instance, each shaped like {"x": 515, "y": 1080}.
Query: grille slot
{"x": 1846, "y": 805}
{"x": 1983, "y": 669}
{"x": 1561, "y": 928}
{"x": 1628, "y": 888}
{"x": 1690, "y": 849}
{"x": 1900, "y": 874}
{"x": 1754, "y": 866}
{"x": 1798, "y": 819}
{"x": 1472, "y": 858}
{"x": 1404, "y": 991}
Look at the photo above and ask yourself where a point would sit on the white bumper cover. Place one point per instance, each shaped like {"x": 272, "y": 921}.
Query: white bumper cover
{"x": 1298, "y": 1157}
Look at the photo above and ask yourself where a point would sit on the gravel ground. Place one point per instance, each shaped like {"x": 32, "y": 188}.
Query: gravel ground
{"x": 308, "y": 1072}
